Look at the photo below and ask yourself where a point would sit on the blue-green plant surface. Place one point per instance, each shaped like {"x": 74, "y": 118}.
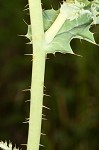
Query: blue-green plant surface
{"x": 77, "y": 18}
{"x": 82, "y": 15}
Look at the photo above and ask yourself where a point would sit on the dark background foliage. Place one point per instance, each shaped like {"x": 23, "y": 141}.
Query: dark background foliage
{"x": 72, "y": 83}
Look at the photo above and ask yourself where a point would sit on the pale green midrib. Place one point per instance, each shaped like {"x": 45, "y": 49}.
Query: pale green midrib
{"x": 38, "y": 70}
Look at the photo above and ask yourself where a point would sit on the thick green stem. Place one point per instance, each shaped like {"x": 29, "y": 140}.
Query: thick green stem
{"x": 38, "y": 70}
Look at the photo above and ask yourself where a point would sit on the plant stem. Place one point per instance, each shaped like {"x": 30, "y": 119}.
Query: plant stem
{"x": 38, "y": 69}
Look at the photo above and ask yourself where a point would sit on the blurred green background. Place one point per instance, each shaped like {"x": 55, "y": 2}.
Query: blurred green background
{"x": 72, "y": 83}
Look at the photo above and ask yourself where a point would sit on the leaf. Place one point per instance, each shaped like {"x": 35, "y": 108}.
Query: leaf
{"x": 79, "y": 27}
{"x": 71, "y": 29}
{"x": 61, "y": 43}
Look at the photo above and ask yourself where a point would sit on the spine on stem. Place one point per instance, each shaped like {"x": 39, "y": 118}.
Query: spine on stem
{"x": 38, "y": 69}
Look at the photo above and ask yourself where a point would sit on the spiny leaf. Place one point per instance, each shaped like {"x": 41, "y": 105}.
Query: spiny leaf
{"x": 77, "y": 28}
{"x": 81, "y": 32}
{"x": 87, "y": 15}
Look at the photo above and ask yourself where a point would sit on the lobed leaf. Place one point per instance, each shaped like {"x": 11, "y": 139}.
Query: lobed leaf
{"x": 87, "y": 16}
